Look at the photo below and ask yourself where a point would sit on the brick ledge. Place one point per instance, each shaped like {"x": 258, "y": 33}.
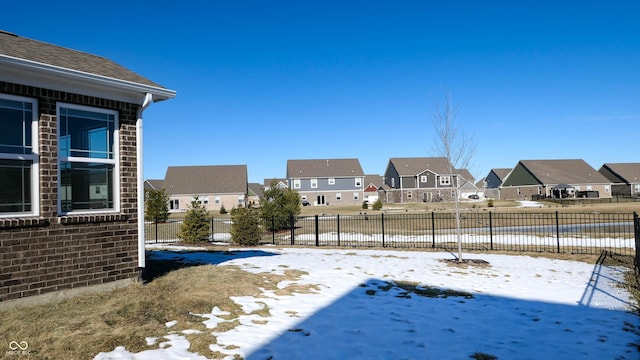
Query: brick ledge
{"x": 9, "y": 223}
{"x": 91, "y": 219}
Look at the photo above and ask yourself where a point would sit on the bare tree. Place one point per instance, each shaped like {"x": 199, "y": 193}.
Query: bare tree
{"x": 451, "y": 143}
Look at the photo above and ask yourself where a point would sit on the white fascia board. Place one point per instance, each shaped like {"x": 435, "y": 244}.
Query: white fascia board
{"x": 46, "y": 76}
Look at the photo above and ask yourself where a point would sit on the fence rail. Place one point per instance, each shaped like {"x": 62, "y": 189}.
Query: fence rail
{"x": 586, "y": 233}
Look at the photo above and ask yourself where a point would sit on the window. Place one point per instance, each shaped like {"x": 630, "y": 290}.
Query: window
{"x": 87, "y": 159}
{"x": 358, "y": 182}
{"x": 606, "y": 188}
{"x": 205, "y": 200}
{"x": 18, "y": 156}
{"x": 217, "y": 199}
{"x": 409, "y": 194}
{"x": 296, "y": 183}
{"x": 240, "y": 199}
{"x": 332, "y": 181}
{"x": 314, "y": 183}
{"x": 356, "y": 196}
{"x": 445, "y": 180}
{"x": 338, "y": 196}
{"x": 423, "y": 178}
{"x": 174, "y": 204}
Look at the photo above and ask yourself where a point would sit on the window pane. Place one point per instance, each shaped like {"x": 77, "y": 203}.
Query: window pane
{"x": 15, "y": 186}
{"x": 16, "y": 118}
{"x": 86, "y": 133}
{"x": 86, "y": 186}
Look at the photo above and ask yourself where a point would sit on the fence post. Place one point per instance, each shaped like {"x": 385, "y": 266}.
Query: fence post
{"x": 636, "y": 232}
{"x": 382, "y": 223}
{"x": 338, "y": 219}
{"x": 156, "y": 224}
{"x": 212, "y": 239}
{"x": 273, "y": 231}
{"x": 317, "y": 232}
{"x": 557, "y": 232}
{"x": 293, "y": 232}
{"x": 433, "y": 230}
{"x": 490, "y": 230}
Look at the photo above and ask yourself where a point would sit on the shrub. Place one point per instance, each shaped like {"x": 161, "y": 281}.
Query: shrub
{"x": 377, "y": 205}
{"x": 278, "y": 206}
{"x": 196, "y": 225}
{"x": 365, "y": 205}
{"x": 490, "y": 203}
{"x": 245, "y": 229}
{"x": 156, "y": 202}
{"x": 223, "y": 210}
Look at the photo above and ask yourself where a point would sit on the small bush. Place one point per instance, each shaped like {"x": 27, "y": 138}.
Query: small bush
{"x": 377, "y": 205}
{"x": 365, "y": 205}
{"x": 223, "y": 211}
{"x": 196, "y": 225}
{"x": 245, "y": 229}
{"x": 490, "y": 203}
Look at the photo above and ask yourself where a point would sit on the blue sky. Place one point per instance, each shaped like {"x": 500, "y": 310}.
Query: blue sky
{"x": 261, "y": 82}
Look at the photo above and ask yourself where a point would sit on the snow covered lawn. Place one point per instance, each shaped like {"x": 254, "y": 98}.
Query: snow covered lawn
{"x": 377, "y": 304}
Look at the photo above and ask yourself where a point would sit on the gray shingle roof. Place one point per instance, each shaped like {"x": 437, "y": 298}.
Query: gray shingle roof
{"x": 501, "y": 173}
{"x": 415, "y": 166}
{"x": 40, "y": 52}
{"x": 193, "y": 180}
{"x": 323, "y": 168}
{"x": 629, "y": 172}
{"x": 572, "y": 171}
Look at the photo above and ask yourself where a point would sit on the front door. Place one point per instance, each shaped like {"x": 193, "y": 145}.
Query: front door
{"x": 320, "y": 200}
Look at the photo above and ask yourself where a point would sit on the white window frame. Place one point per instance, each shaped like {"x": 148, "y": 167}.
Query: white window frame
{"x": 356, "y": 195}
{"x": 296, "y": 183}
{"x": 358, "y": 182}
{"x": 409, "y": 195}
{"x": 331, "y": 181}
{"x": 445, "y": 180}
{"x": 423, "y": 178}
{"x": 217, "y": 199}
{"x": 314, "y": 183}
{"x": 241, "y": 199}
{"x": 115, "y": 161}
{"x": 174, "y": 204}
{"x": 338, "y": 196}
{"x": 33, "y": 157}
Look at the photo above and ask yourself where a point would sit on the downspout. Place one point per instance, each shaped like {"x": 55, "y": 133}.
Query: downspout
{"x": 148, "y": 98}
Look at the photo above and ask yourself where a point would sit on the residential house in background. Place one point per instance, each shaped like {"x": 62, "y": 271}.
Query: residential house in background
{"x": 154, "y": 184}
{"x": 281, "y": 183}
{"x": 213, "y": 186}
{"x": 372, "y": 188}
{"x": 327, "y": 181}
{"x": 422, "y": 179}
{"x": 256, "y": 192}
{"x": 625, "y": 178}
{"x": 531, "y": 179}
{"x": 493, "y": 181}
{"x": 71, "y": 185}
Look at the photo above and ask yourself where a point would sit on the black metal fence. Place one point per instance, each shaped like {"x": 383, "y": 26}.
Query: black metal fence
{"x": 585, "y": 233}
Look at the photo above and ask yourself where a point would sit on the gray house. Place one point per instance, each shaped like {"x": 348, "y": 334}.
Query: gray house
{"x": 423, "y": 179}
{"x": 71, "y": 185}
{"x": 327, "y": 181}
{"x": 493, "y": 181}
{"x": 624, "y": 176}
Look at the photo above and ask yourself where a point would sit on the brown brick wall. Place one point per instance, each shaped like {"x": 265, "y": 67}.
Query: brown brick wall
{"x": 51, "y": 252}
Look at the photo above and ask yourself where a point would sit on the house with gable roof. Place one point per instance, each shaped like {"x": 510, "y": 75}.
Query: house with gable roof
{"x": 625, "y": 178}
{"x": 570, "y": 178}
{"x": 327, "y": 181}
{"x": 71, "y": 184}
{"x": 423, "y": 179}
{"x": 494, "y": 180}
{"x": 214, "y": 186}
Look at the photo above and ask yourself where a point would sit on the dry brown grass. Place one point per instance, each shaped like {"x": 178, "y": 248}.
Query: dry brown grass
{"x": 81, "y": 327}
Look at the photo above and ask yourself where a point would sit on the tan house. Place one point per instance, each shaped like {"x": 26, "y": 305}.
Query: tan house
{"x": 213, "y": 186}
{"x": 573, "y": 178}
{"x": 624, "y": 176}
{"x": 71, "y": 182}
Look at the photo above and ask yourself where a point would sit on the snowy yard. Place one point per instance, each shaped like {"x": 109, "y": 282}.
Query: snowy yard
{"x": 375, "y": 304}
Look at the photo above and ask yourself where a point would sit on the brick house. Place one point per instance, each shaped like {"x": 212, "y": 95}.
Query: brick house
{"x": 562, "y": 178}
{"x": 70, "y": 170}
{"x": 215, "y": 186}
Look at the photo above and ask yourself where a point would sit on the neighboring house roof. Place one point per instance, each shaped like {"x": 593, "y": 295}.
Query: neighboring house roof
{"x": 196, "y": 180}
{"x": 255, "y": 189}
{"x": 501, "y": 173}
{"x": 282, "y": 183}
{"x": 415, "y": 166}
{"x": 375, "y": 180}
{"x": 323, "y": 168}
{"x": 33, "y": 62}
{"x": 153, "y": 184}
{"x": 626, "y": 172}
{"x": 465, "y": 174}
{"x": 551, "y": 172}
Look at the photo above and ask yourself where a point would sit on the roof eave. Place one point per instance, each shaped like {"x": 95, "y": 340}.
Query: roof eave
{"x": 37, "y": 74}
